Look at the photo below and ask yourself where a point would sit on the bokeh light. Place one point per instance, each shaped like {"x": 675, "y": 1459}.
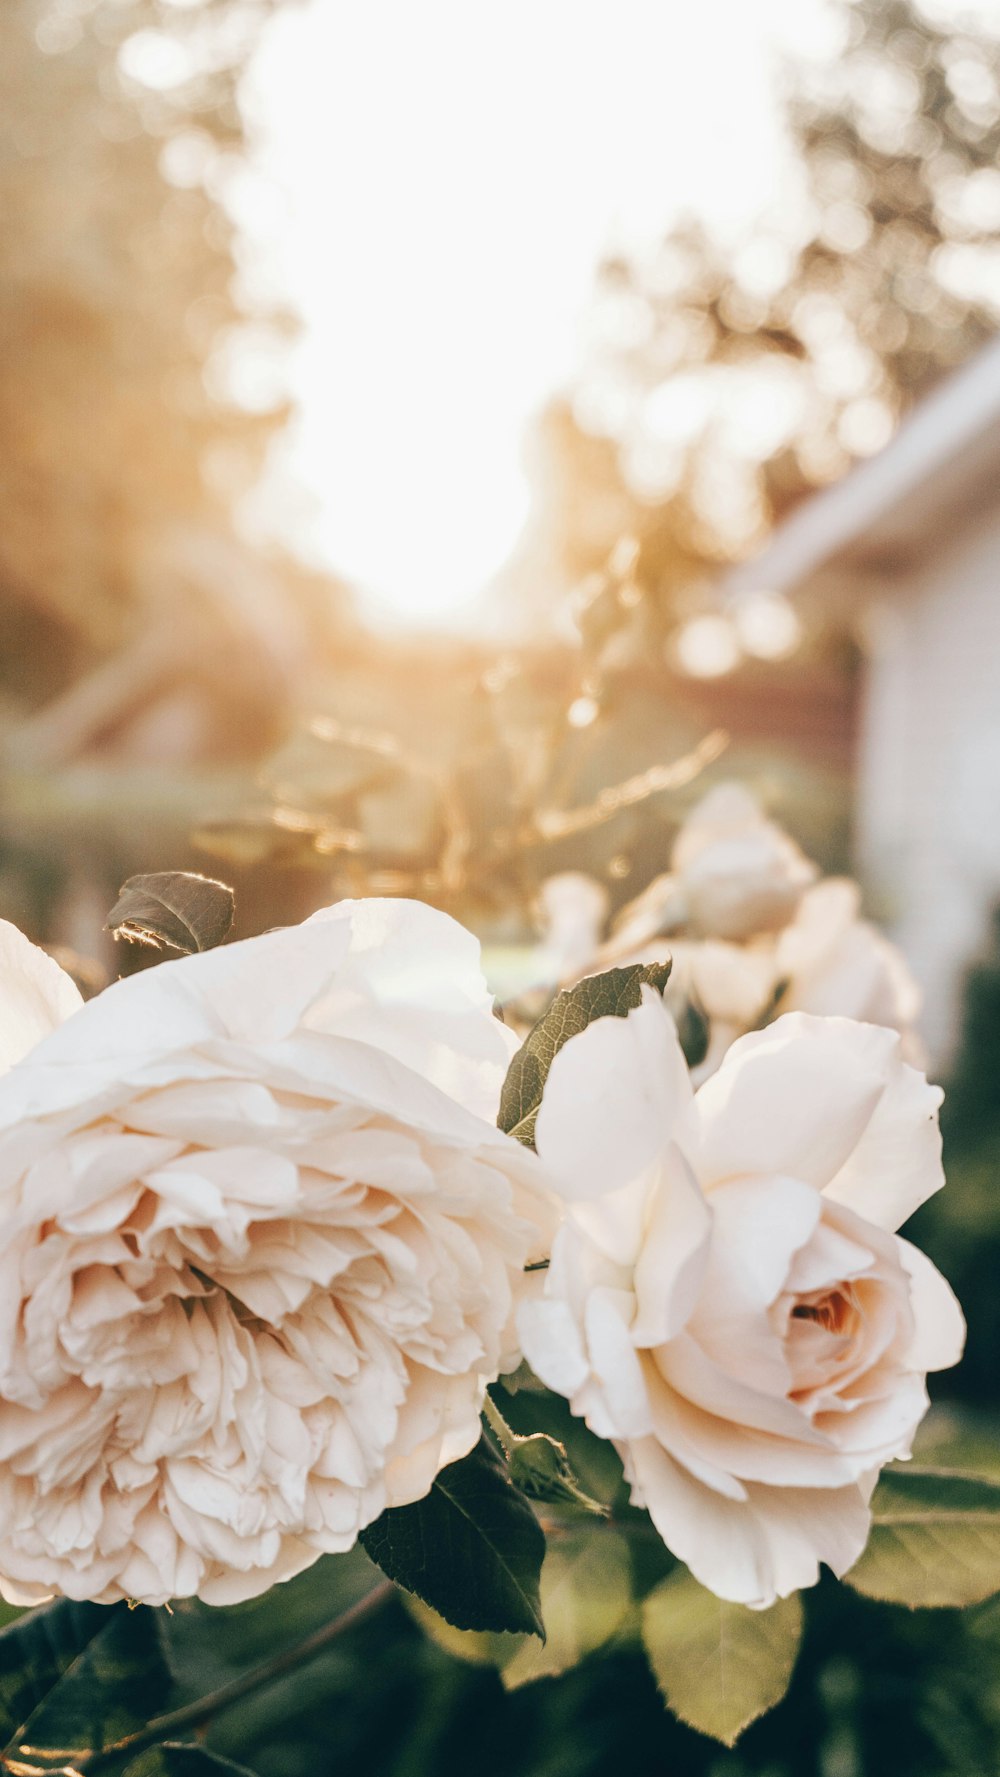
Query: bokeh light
{"x": 767, "y": 625}
{"x": 707, "y": 647}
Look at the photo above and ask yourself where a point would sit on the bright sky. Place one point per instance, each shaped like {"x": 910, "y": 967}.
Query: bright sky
{"x": 445, "y": 177}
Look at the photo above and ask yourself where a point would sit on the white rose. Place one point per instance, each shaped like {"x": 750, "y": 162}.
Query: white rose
{"x": 259, "y": 1252}
{"x": 36, "y": 995}
{"x": 834, "y": 962}
{"x": 733, "y": 875}
{"x": 727, "y": 1300}
{"x": 827, "y": 960}
{"x": 736, "y": 872}
{"x": 660, "y": 909}
{"x": 732, "y": 986}
{"x": 571, "y": 909}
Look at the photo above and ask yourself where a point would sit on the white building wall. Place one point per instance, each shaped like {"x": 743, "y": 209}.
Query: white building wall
{"x": 929, "y": 772}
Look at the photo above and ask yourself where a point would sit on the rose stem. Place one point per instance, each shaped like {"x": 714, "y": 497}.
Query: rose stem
{"x": 498, "y": 1425}
{"x": 192, "y": 1715}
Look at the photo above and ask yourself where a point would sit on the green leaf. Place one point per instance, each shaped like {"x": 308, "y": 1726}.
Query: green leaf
{"x": 177, "y": 1759}
{"x": 935, "y": 1539}
{"x": 476, "y": 1647}
{"x": 173, "y": 908}
{"x": 94, "y": 1679}
{"x": 472, "y": 1549}
{"x": 693, "y": 1032}
{"x": 212, "y": 1645}
{"x": 36, "y": 1650}
{"x": 611, "y": 995}
{"x": 586, "y": 1597}
{"x": 718, "y": 1665}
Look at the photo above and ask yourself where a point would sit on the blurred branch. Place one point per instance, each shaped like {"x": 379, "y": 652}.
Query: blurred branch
{"x": 194, "y": 1715}
{"x": 557, "y": 824}
{"x": 67, "y": 725}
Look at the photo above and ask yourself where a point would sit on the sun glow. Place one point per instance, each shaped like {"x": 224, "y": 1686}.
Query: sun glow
{"x": 435, "y": 187}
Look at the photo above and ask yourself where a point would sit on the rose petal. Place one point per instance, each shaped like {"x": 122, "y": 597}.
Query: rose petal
{"x": 756, "y": 1551}
{"x": 939, "y": 1339}
{"x": 36, "y": 995}
{"x": 896, "y": 1164}
{"x": 794, "y": 1099}
{"x": 612, "y": 1099}
{"x": 670, "y": 1269}
{"x": 358, "y": 968}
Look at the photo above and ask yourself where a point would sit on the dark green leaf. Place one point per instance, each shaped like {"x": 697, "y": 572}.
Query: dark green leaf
{"x": 693, "y": 1031}
{"x": 472, "y": 1549}
{"x": 211, "y": 1645}
{"x": 586, "y": 1598}
{"x": 173, "y": 908}
{"x": 116, "y": 1680}
{"x": 36, "y": 1650}
{"x": 718, "y": 1665}
{"x": 611, "y": 995}
{"x": 935, "y": 1539}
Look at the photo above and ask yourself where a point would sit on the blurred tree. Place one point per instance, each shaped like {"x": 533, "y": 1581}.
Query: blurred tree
{"x": 971, "y": 1115}
{"x": 129, "y": 427}
{"x": 727, "y": 381}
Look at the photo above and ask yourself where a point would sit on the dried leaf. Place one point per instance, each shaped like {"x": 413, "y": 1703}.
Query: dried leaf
{"x": 175, "y": 909}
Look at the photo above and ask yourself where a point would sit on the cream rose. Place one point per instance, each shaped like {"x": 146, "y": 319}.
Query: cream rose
{"x": 752, "y": 935}
{"x": 727, "y": 1299}
{"x": 827, "y": 961}
{"x": 832, "y": 962}
{"x": 36, "y": 995}
{"x": 259, "y": 1253}
{"x": 733, "y": 874}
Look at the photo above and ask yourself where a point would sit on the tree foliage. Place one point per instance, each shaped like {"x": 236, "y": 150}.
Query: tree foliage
{"x": 732, "y": 377}
{"x": 122, "y": 297}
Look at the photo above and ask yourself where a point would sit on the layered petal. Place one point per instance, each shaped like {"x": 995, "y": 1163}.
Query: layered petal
{"x": 731, "y": 1312}
{"x": 757, "y": 1549}
{"x": 939, "y": 1335}
{"x": 397, "y": 976}
{"x": 588, "y": 1147}
{"x": 792, "y": 1100}
{"x": 36, "y": 995}
{"x": 259, "y": 1258}
{"x": 896, "y": 1164}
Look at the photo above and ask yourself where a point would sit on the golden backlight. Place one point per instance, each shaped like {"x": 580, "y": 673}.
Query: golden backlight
{"x": 437, "y": 186}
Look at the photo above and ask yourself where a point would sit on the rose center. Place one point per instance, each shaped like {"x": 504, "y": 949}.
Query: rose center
{"x": 830, "y": 1311}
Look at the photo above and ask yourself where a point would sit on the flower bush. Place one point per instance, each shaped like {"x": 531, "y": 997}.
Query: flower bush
{"x": 274, "y": 1236}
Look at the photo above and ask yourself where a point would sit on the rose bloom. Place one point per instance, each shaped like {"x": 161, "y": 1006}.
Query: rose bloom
{"x": 733, "y": 874}
{"x": 727, "y": 1299}
{"x": 35, "y": 995}
{"x": 827, "y": 961}
{"x": 758, "y": 936}
{"x": 830, "y": 961}
{"x": 259, "y": 1253}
